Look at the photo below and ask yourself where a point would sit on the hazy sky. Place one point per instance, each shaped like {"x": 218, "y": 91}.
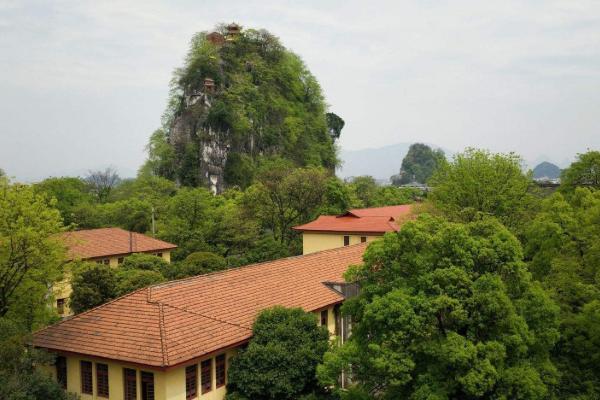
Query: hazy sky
{"x": 83, "y": 84}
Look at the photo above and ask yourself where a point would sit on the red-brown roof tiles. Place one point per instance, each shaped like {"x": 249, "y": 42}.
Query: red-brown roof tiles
{"x": 103, "y": 242}
{"x": 169, "y": 324}
{"x": 377, "y": 220}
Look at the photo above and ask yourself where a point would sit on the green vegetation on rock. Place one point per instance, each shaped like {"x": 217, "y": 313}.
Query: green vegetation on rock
{"x": 237, "y": 99}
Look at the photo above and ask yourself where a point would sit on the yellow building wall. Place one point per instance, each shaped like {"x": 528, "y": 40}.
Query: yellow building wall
{"x": 168, "y": 385}
{"x": 63, "y": 290}
{"x": 313, "y": 242}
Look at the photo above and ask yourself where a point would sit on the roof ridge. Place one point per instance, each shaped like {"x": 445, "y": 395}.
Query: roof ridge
{"x": 190, "y": 278}
{"x": 163, "y": 334}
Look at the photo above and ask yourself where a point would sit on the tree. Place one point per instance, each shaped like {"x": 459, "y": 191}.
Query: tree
{"x": 93, "y": 284}
{"x": 30, "y": 256}
{"x": 365, "y": 188}
{"x": 478, "y": 182}
{"x": 563, "y": 252}
{"x": 103, "y": 182}
{"x": 447, "y": 311}
{"x": 198, "y": 263}
{"x": 145, "y": 262}
{"x": 20, "y": 375}
{"x": 419, "y": 164}
{"x": 583, "y": 172}
{"x": 285, "y": 196}
{"x": 129, "y": 280}
{"x": 68, "y": 192}
{"x": 280, "y": 361}
{"x": 335, "y": 124}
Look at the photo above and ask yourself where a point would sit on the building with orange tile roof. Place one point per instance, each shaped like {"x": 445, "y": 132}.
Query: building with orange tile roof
{"x": 107, "y": 246}
{"x": 179, "y": 336}
{"x": 354, "y": 226}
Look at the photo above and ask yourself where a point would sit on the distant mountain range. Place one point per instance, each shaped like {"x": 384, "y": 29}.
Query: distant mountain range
{"x": 383, "y": 162}
{"x": 546, "y": 170}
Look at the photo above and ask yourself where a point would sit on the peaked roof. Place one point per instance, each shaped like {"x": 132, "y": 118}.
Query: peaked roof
{"x": 169, "y": 324}
{"x": 102, "y": 242}
{"x": 378, "y": 220}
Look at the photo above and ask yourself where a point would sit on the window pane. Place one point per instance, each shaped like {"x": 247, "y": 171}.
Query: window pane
{"x": 363, "y": 239}
{"x": 102, "y": 379}
{"x": 129, "y": 376}
{"x": 221, "y": 370}
{"x": 206, "y": 375}
{"x": 324, "y": 318}
{"x": 346, "y": 240}
{"x": 86, "y": 377}
{"x": 61, "y": 371}
{"x": 147, "y": 386}
{"x": 191, "y": 382}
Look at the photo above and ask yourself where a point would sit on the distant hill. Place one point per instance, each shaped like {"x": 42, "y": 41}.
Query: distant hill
{"x": 381, "y": 163}
{"x": 546, "y": 170}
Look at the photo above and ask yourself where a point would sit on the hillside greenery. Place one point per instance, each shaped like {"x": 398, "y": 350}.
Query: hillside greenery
{"x": 265, "y": 103}
{"x": 419, "y": 164}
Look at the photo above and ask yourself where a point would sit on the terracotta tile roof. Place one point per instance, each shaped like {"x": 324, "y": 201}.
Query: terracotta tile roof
{"x": 389, "y": 211}
{"x": 171, "y": 323}
{"x": 350, "y": 224}
{"x": 93, "y": 243}
{"x": 361, "y": 220}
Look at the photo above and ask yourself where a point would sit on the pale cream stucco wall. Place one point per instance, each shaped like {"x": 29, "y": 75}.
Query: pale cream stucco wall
{"x": 313, "y": 241}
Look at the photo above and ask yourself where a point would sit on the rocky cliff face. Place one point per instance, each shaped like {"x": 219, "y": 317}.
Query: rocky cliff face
{"x": 190, "y": 130}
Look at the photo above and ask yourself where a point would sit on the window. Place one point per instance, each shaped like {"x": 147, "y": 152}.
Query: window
{"x": 324, "y": 318}
{"x": 363, "y": 239}
{"x": 120, "y": 260}
{"x": 129, "y": 377}
{"x": 60, "y": 306}
{"x": 206, "y": 375}
{"x": 86, "y": 377}
{"x": 221, "y": 370}
{"x": 102, "y": 379}
{"x": 346, "y": 240}
{"x": 61, "y": 371}
{"x": 147, "y": 385}
{"x": 191, "y": 382}
{"x": 158, "y": 254}
{"x": 106, "y": 261}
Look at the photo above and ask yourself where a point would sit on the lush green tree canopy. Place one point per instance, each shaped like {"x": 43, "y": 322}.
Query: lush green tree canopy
{"x": 583, "y": 172}
{"x": 563, "y": 249}
{"x": 446, "y": 311}
{"x": 419, "y": 164}
{"x": 93, "y": 284}
{"x": 19, "y": 377}
{"x": 68, "y": 192}
{"x": 479, "y": 182}
{"x": 198, "y": 263}
{"x": 281, "y": 359}
{"x": 31, "y": 258}
{"x": 285, "y": 196}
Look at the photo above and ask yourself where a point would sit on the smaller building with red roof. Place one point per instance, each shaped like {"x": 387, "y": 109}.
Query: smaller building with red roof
{"x": 354, "y": 226}
{"x": 108, "y": 246}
